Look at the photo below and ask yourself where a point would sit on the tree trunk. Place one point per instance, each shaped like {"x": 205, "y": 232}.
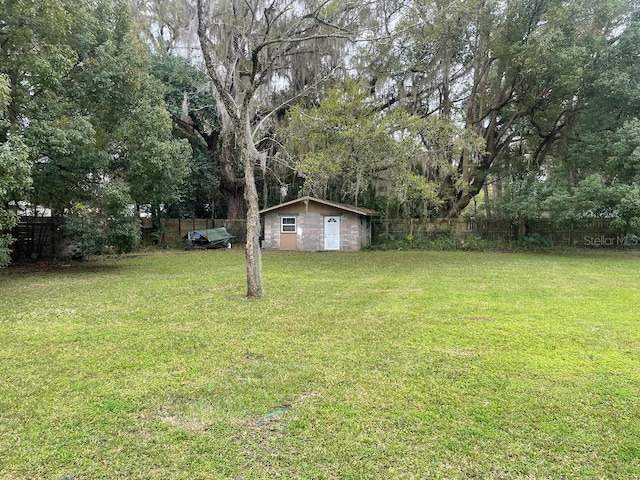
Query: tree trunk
{"x": 487, "y": 200}
{"x": 234, "y": 198}
{"x": 231, "y": 179}
{"x": 462, "y": 198}
{"x": 243, "y": 49}
{"x": 456, "y": 206}
{"x": 253, "y": 255}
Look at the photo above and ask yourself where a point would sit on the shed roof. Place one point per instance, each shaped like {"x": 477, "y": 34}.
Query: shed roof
{"x": 341, "y": 206}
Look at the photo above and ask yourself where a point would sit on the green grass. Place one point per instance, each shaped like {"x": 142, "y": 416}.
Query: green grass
{"x": 368, "y": 365}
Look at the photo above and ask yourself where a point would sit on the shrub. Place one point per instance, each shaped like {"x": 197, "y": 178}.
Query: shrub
{"x": 533, "y": 240}
{"x": 94, "y": 234}
{"x": 437, "y": 241}
{"x": 107, "y": 226}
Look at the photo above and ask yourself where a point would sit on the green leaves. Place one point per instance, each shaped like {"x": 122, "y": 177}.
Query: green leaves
{"x": 106, "y": 226}
{"x": 578, "y": 138}
{"x": 80, "y": 95}
{"x": 152, "y": 163}
{"x": 15, "y": 170}
{"x": 351, "y": 148}
{"x": 624, "y": 161}
{"x": 346, "y": 146}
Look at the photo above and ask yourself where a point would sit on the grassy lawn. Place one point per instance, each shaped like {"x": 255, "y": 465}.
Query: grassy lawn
{"x": 370, "y": 365}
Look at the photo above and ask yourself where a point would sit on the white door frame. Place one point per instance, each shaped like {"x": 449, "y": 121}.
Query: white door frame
{"x": 332, "y": 232}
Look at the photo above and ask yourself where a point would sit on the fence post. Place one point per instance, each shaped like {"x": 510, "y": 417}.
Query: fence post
{"x": 571, "y": 233}
{"x": 53, "y": 236}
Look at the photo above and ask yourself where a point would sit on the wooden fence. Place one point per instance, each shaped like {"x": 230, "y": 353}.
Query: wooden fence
{"x": 595, "y": 233}
{"x": 173, "y": 229}
{"x": 42, "y": 237}
{"x": 37, "y": 237}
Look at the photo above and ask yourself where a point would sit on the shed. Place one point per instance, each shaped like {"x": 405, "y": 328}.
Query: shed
{"x": 311, "y": 224}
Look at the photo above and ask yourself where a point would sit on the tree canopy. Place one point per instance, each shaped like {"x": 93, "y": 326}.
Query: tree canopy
{"x": 91, "y": 116}
{"x": 591, "y": 170}
{"x": 511, "y": 95}
{"x": 411, "y": 108}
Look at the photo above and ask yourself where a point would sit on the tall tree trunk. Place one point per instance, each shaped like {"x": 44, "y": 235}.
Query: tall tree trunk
{"x": 487, "y": 200}
{"x": 253, "y": 255}
{"x": 234, "y": 106}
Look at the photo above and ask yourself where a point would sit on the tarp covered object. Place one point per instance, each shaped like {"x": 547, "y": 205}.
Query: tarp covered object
{"x": 209, "y": 237}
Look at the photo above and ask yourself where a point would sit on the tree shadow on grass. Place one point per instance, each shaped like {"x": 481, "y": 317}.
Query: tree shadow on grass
{"x": 73, "y": 267}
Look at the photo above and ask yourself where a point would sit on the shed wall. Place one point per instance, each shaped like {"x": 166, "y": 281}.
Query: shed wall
{"x": 354, "y": 228}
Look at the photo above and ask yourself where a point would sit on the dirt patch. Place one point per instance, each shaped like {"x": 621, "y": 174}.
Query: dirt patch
{"x": 178, "y": 422}
{"x": 480, "y": 319}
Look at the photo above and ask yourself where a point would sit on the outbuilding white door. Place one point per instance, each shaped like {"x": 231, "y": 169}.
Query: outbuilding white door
{"x": 332, "y": 233}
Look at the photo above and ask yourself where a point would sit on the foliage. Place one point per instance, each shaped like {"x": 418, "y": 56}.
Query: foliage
{"x": 84, "y": 103}
{"x": 166, "y": 26}
{"x": 107, "y": 226}
{"x": 593, "y": 173}
{"x": 346, "y": 149}
{"x": 15, "y": 172}
{"x": 525, "y": 76}
{"x": 186, "y": 92}
{"x": 352, "y": 149}
{"x": 529, "y": 98}
{"x": 538, "y": 98}
{"x": 440, "y": 241}
{"x": 195, "y": 118}
{"x": 533, "y": 241}
{"x": 153, "y": 165}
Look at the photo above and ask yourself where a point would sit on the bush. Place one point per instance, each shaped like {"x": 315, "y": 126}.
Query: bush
{"x": 94, "y": 234}
{"x": 533, "y": 241}
{"x": 7, "y": 222}
{"x": 5, "y": 243}
{"x": 87, "y": 234}
{"x": 105, "y": 226}
{"x": 386, "y": 241}
{"x": 123, "y": 235}
{"x": 437, "y": 241}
